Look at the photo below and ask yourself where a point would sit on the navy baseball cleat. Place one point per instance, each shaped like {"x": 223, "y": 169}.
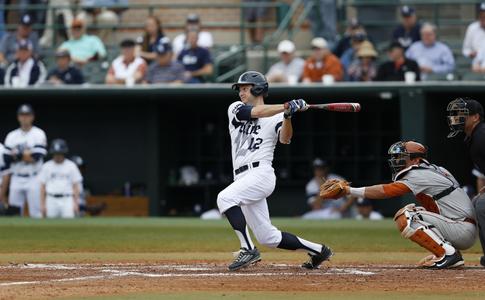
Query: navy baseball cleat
{"x": 245, "y": 258}
{"x": 482, "y": 261}
{"x": 449, "y": 261}
{"x": 317, "y": 259}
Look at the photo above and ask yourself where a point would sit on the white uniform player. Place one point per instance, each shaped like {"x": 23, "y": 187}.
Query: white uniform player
{"x": 445, "y": 223}
{"x": 25, "y": 151}
{"x": 3, "y": 166}
{"x": 60, "y": 183}
{"x": 255, "y": 129}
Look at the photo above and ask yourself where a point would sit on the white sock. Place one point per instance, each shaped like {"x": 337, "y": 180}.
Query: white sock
{"x": 246, "y": 242}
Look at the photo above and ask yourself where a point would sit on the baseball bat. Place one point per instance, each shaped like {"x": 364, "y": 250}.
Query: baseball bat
{"x": 338, "y": 107}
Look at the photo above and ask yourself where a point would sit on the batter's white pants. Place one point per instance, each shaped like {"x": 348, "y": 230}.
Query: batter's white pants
{"x": 249, "y": 191}
{"x": 59, "y": 207}
{"x": 25, "y": 189}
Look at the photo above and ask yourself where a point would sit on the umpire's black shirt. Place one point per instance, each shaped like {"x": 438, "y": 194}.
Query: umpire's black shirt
{"x": 476, "y": 144}
{"x": 71, "y": 75}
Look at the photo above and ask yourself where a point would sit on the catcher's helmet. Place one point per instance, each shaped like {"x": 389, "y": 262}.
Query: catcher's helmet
{"x": 58, "y": 146}
{"x": 400, "y": 151}
{"x": 256, "y": 79}
{"x": 458, "y": 110}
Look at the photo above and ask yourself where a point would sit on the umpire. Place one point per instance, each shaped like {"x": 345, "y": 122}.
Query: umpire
{"x": 466, "y": 115}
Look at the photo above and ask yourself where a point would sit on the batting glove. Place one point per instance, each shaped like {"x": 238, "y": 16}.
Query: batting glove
{"x": 293, "y": 106}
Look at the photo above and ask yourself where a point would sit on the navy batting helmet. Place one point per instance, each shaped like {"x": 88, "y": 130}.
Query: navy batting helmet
{"x": 58, "y": 146}
{"x": 256, "y": 79}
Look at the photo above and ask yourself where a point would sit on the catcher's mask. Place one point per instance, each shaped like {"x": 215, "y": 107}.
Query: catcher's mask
{"x": 400, "y": 152}
{"x": 457, "y": 114}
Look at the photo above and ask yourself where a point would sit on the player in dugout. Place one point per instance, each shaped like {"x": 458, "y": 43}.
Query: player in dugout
{"x": 443, "y": 225}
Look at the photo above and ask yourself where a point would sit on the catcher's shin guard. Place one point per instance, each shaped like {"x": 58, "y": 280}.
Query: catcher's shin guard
{"x": 422, "y": 235}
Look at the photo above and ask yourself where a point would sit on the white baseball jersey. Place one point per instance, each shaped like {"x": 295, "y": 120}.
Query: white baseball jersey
{"x": 427, "y": 180}
{"x": 252, "y": 140}
{"x": 3, "y": 166}
{"x": 60, "y": 177}
{"x": 35, "y": 140}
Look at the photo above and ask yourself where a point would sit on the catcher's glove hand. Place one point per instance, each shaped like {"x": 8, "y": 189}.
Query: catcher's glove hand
{"x": 334, "y": 189}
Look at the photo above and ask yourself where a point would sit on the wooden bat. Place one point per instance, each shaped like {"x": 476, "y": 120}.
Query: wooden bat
{"x": 338, "y": 107}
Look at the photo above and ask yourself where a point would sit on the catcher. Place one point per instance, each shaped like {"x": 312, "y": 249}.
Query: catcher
{"x": 443, "y": 225}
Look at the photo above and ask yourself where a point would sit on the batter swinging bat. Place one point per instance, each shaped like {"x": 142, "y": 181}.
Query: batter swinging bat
{"x": 339, "y": 107}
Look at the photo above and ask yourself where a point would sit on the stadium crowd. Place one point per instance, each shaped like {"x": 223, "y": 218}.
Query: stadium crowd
{"x": 414, "y": 50}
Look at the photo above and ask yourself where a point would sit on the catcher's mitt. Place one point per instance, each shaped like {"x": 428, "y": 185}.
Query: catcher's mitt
{"x": 333, "y": 189}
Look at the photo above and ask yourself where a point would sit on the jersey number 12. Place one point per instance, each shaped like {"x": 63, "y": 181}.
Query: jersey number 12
{"x": 254, "y": 144}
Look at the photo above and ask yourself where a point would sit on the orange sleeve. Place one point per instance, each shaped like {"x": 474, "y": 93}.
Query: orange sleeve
{"x": 306, "y": 71}
{"x": 395, "y": 189}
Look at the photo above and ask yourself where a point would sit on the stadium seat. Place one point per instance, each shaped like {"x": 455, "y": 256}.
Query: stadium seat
{"x": 470, "y": 76}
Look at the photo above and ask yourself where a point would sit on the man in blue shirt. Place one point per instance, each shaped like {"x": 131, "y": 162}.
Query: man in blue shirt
{"x": 431, "y": 55}
{"x": 409, "y": 30}
{"x": 197, "y": 61}
{"x": 64, "y": 73}
{"x": 164, "y": 69}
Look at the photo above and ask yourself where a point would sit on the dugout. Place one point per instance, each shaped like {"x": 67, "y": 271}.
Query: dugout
{"x": 143, "y": 135}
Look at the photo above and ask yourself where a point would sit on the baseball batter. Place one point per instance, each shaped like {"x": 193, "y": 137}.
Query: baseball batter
{"x": 60, "y": 183}
{"x": 25, "y": 149}
{"x": 255, "y": 128}
{"x": 444, "y": 224}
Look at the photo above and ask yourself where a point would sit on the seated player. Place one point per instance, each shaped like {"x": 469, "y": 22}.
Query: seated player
{"x": 444, "y": 224}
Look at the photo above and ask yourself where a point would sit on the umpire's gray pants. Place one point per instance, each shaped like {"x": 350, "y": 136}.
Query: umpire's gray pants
{"x": 479, "y": 204}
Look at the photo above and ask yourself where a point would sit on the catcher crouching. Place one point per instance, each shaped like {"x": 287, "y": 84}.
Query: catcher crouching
{"x": 444, "y": 224}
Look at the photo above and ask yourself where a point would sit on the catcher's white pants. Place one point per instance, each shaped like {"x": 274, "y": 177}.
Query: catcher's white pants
{"x": 461, "y": 235}
{"x": 22, "y": 189}
{"x": 249, "y": 191}
{"x": 59, "y": 207}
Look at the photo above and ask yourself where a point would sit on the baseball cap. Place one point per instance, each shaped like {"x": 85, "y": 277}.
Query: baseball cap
{"x": 25, "y": 109}
{"x": 26, "y": 20}
{"x": 474, "y": 107}
{"x": 127, "y": 43}
{"x": 359, "y": 36}
{"x": 24, "y": 45}
{"x": 63, "y": 53}
{"x": 364, "y": 202}
{"x": 319, "y": 163}
{"x": 319, "y": 42}
{"x": 286, "y": 46}
{"x": 163, "y": 46}
{"x": 76, "y": 23}
{"x": 192, "y": 18}
{"x": 407, "y": 11}
{"x": 481, "y": 7}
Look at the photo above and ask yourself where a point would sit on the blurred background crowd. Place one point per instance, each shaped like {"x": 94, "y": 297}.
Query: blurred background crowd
{"x": 123, "y": 42}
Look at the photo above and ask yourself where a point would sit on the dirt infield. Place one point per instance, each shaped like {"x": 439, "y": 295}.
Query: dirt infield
{"x": 42, "y": 281}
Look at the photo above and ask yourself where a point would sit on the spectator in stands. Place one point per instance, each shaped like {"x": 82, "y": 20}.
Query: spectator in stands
{"x": 290, "y": 67}
{"x": 409, "y": 30}
{"x": 83, "y": 47}
{"x": 398, "y": 65}
{"x": 105, "y": 13}
{"x": 149, "y": 40}
{"x": 350, "y": 54}
{"x": 346, "y": 41}
{"x": 431, "y": 55}
{"x": 64, "y": 72}
{"x": 25, "y": 70}
{"x": 366, "y": 210}
{"x": 2, "y": 76}
{"x": 63, "y": 14}
{"x": 127, "y": 68}
{"x": 192, "y": 23}
{"x": 321, "y": 62}
{"x": 478, "y": 64}
{"x": 10, "y": 40}
{"x": 323, "y": 19}
{"x": 364, "y": 68}
{"x": 255, "y": 16}
{"x": 196, "y": 60}
{"x": 164, "y": 69}
{"x": 475, "y": 34}
{"x": 334, "y": 209}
